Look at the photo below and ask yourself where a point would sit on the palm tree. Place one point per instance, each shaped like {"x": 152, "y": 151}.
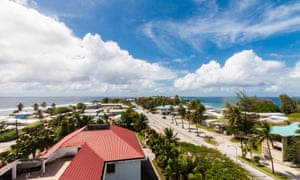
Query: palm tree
{"x": 105, "y": 118}
{"x": 233, "y": 115}
{"x": 182, "y": 113}
{"x": 40, "y": 114}
{"x": 263, "y": 133}
{"x": 20, "y": 106}
{"x": 35, "y": 106}
{"x": 241, "y": 124}
{"x": 197, "y": 116}
{"x": 188, "y": 116}
{"x": 170, "y": 136}
{"x": 53, "y": 105}
{"x": 44, "y": 104}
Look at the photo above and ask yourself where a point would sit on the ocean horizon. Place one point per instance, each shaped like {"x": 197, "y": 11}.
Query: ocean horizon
{"x": 11, "y": 102}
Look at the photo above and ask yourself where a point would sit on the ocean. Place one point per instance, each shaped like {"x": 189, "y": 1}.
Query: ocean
{"x": 219, "y": 102}
{"x": 10, "y": 103}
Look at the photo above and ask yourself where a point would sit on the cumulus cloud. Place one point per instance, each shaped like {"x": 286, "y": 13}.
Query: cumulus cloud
{"x": 295, "y": 73}
{"x": 41, "y": 54}
{"x": 243, "y": 69}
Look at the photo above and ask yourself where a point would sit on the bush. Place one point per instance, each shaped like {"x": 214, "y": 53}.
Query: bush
{"x": 256, "y": 159}
{"x": 61, "y": 110}
{"x": 8, "y": 135}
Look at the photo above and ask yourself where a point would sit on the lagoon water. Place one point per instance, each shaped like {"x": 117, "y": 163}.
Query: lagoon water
{"x": 219, "y": 102}
{"x": 8, "y": 104}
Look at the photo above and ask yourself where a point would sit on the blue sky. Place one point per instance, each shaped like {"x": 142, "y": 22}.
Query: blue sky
{"x": 143, "y": 47}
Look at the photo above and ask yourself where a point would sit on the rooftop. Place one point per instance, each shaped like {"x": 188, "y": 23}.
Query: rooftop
{"x": 286, "y": 131}
{"x": 99, "y": 144}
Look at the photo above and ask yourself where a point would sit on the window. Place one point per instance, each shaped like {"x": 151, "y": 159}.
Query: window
{"x": 110, "y": 168}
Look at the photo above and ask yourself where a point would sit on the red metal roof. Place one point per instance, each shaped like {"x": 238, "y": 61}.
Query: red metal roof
{"x": 113, "y": 144}
{"x": 86, "y": 165}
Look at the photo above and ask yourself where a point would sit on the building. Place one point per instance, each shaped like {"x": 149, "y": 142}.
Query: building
{"x": 280, "y": 145}
{"x": 96, "y": 151}
{"x": 22, "y": 115}
{"x": 167, "y": 110}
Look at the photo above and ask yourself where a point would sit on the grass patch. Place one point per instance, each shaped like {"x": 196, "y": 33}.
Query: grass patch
{"x": 264, "y": 169}
{"x": 159, "y": 171}
{"x": 294, "y": 116}
{"x": 8, "y": 135}
{"x": 211, "y": 141}
{"x": 205, "y": 128}
{"x": 142, "y": 139}
{"x": 234, "y": 140}
{"x": 34, "y": 125}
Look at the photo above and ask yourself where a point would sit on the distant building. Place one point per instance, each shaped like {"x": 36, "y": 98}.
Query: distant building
{"x": 22, "y": 115}
{"x": 167, "y": 109}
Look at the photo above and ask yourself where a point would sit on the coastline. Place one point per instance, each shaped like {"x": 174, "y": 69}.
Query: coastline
{"x": 9, "y": 104}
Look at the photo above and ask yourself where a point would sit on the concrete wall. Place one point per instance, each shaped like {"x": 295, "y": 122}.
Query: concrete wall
{"x": 276, "y": 153}
{"x": 62, "y": 152}
{"x": 130, "y": 169}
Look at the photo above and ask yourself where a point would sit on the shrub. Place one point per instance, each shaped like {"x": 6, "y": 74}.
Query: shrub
{"x": 256, "y": 159}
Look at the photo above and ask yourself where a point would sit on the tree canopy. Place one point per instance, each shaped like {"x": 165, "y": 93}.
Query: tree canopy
{"x": 287, "y": 104}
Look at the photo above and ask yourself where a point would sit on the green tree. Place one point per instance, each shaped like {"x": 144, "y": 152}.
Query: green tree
{"x": 105, "y": 100}
{"x": 254, "y": 104}
{"x": 176, "y": 100}
{"x": 40, "y": 114}
{"x": 182, "y": 112}
{"x": 287, "y": 104}
{"x": 81, "y": 106}
{"x": 105, "y": 118}
{"x": 44, "y": 104}
{"x": 20, "y": 106}
{"x": 188, "y": 118}
{"x": 263, "y": 133}
{"x": 53, "y": 105}
{"x": 170, "y": 136}
{"x": 140, "y": 123}
{"x": 35, "y": 106}
{"x": 240, "y": 124}
{"x": 197, "y": 115}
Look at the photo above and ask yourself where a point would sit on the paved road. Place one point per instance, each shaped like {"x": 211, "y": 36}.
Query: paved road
{"x": 6, "y": 145}
{"x": 224, "y": 144}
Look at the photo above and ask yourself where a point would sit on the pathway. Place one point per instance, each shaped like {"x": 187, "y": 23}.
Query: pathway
{"x": 232, "y": 150}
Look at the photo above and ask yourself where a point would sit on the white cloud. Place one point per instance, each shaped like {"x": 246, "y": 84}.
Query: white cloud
{"x": 242, "y": 70}
{"x": 242, "y": 21}
{"x": 31, "y": 3}
{"x": 39, "y": 54}
{"x": 295, "y": 73}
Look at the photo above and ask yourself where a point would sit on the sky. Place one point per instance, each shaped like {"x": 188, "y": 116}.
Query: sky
{"x": 149, "y": 47}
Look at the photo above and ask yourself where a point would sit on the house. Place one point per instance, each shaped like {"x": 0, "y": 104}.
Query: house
{"x": 167, "y": 110}
{"x": 97, "y": 151}
{"x": 281, "y": 143}
{"x": 100, "y": 152}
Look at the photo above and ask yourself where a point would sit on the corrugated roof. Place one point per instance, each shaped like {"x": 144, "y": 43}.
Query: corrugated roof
{"x": 286, "y": 131}
{"x": 86, "y": 165}
{"x": 113, "y": 144}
